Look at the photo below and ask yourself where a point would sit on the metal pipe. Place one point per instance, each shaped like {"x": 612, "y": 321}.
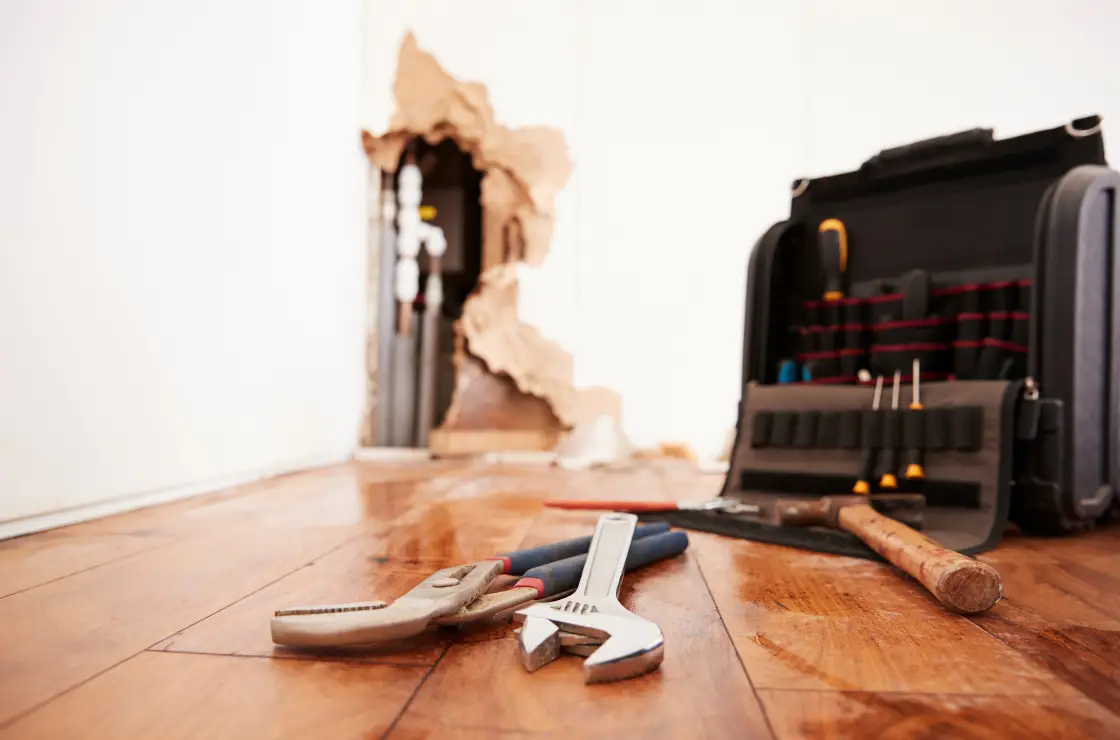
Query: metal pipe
{"x": 406, "y": 287}
{"x": 404, "y": 391}
{"x": 436, "y": 244}
{"x": 386, "y": 307}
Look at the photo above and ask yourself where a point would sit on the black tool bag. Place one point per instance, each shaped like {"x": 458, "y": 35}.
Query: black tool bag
{"x": 990, "y": 262}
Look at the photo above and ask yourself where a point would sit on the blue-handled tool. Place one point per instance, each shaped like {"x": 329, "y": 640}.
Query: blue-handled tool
{"x": 563, "y": 575}
{"x": 555, "y": 578}
{"x": 787, "y": 372}
{"x": 520, "y": 562}
{"x": 455, "y": 595}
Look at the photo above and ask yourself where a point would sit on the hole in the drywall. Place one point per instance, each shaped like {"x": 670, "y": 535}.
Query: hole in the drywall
{"x": 513, "y": 387}
{"x": 450, "y": 199}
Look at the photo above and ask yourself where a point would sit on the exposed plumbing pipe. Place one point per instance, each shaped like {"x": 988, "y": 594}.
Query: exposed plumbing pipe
{"x": 408, "y": 244}
{"x": 406, "y": 287}
{"x": 386, "y": 308}
{"x": 435, "y": 244}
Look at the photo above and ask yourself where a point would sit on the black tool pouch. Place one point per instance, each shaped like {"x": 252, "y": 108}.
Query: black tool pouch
{"x": 992, "y": 264}
{"x": 798, "y": 442}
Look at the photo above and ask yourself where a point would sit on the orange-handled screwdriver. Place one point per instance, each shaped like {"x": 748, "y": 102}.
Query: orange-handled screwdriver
{"x": 914, "y": 428}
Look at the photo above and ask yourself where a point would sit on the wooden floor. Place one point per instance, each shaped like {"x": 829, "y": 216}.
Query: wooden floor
{"x": 154, "y": 624}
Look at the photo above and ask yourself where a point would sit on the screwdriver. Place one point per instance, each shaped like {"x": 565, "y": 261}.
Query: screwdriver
{"x": 833, "y": 243}
{"x": 914, "y": 429}
{"x": 863, "y": 482}
{"x": 889, "y": 460}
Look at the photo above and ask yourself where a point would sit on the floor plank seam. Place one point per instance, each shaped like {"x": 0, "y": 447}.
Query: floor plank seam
{"x": 731, "y": 642}
{"x": 907, "y": 692}
{"x": 257, "y": 590}
{"x": 317, "y": 658}
{"x": 1048, "y": 669}
{"x": 126, "y": 556}
{"x": 415, "y": 693}
{"x": 446, "y": 650}
{"x": 103, "y": 671}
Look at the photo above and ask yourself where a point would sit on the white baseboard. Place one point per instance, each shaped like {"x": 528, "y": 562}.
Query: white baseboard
{"x": 78, "y": 514}
{"x": 392, "y": 454}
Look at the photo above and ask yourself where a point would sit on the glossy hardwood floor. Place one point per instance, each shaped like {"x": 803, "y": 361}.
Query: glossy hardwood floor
{"x": 154, "y": 624}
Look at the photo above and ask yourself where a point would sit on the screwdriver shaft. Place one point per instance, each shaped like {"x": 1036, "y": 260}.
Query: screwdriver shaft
{"x": 915, "y": 470}
{"x": 889, "y": 461}
{"x": 867, "y": 463}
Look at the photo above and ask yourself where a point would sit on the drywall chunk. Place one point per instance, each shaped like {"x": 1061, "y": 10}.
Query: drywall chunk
{"x": 599, "y": 441}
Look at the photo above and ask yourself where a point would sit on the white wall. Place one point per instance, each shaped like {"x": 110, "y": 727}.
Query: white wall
{"x": 688, "y": 121}
{"x": 665, "y": 114}
{"x": 181, "y": 243}
{"x": 879, "y": 74}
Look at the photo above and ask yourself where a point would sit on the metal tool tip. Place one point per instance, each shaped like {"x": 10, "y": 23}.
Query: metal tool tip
{"x": 538, "y": 643}
{"x": 620, "y": 661}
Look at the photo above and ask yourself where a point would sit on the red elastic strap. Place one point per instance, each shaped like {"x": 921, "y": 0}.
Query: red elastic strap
{"x": 536, "y": 583}
{"x": 1015, "y": 315}
{"x": 971, "y": 316}
{"x": 990, "y": 342}
{"x": 884, "y": 298}
{"x": 1000, "y": 284}
{"x": 917, "y": 347}
{"x": 932, "y": 321}
{"x": 807, "y": 356}
{"x": 957, "y": 289}
{"x": 504, "y": 560}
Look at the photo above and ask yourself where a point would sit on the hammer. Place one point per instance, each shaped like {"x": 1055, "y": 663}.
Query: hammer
{"x": 956, "y": 580}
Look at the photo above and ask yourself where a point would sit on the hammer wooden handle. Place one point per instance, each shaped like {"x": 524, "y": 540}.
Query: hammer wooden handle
{"x": 956, "y": 580}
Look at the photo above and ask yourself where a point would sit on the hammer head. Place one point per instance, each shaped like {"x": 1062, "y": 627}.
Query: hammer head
{"x": 631, "y": 645}
{"x": 907, "y": 508}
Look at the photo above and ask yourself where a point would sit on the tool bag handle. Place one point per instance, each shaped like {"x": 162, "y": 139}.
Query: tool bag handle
{"x": 975, "y": 138}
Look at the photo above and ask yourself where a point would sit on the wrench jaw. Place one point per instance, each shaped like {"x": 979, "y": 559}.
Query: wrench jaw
{"x": 631, "y": 646}
{"x": 539, "y": 643}
{"x": 618, "y": 658}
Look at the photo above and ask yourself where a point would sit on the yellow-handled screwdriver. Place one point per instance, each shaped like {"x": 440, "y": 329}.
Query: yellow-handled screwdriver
{"x": 832, "y": 239}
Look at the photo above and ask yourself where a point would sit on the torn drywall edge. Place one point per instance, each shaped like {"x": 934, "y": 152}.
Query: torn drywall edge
{"x": 368, "y": 434}
{"x": 523, "y": 170}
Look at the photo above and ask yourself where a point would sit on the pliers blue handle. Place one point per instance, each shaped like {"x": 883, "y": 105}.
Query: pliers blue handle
{"x": 518, "y": 563}
{"x": 553, "y": 578}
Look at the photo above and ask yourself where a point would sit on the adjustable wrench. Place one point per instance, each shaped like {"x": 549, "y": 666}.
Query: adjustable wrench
{"x": 631, "y": 645}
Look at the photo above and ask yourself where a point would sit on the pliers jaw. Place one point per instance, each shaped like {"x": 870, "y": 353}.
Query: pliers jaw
{"x": 442, "y": 593}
